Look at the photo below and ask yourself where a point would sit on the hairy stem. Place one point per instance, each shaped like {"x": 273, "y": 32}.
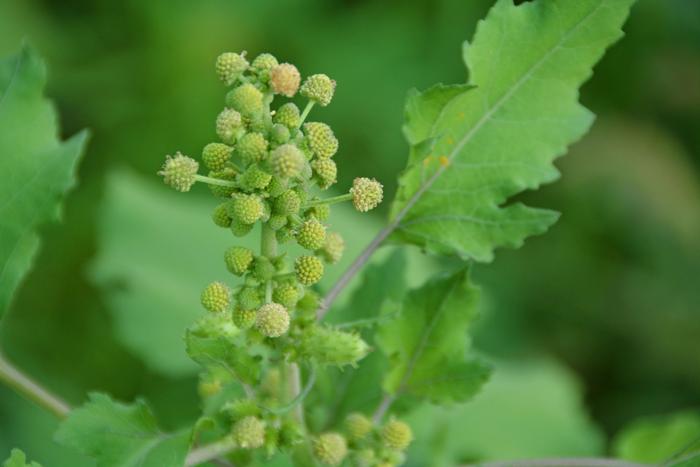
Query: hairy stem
{"x": 209, "y": 452}
{"x": 214, "y": 181}
{"x": 296, "y": 392}
{"x": 306, "y": 111}
{"x": 28, "y": 388}
{"x": 382, "y": 408}
{"x": 333, "y": 200}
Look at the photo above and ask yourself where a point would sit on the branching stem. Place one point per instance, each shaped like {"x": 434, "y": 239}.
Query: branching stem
{"x": 306, "y": 111}
{"x": 329, "y": 201}
{"x": 214, "y": 181}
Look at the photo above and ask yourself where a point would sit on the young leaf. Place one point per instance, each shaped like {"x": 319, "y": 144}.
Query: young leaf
{"x": 500, "y": 138}
{"x": 119, "y": 435}
{"x": 427, "y": 343}
{"x": 19, "y": 459}
{"x": 38, "y": 168}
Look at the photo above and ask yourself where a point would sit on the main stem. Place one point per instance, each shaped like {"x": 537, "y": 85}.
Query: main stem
{"x": 27, "y": 387}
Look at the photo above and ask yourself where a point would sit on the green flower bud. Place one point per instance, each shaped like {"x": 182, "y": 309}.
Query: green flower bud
{"x": 238, "y": 260}
{"x": 272, "y": 320}
{"x": 179, "y": 172}
{"x": 279, "y": 133}
{"x": 311, "y": 235}
{"x": 285, "y": 79}
{"x": 329, "y": 346}
{"x": 254, "y": 178}
{"x": 249, "y": 433}
{"x": 397, "y": 435}
{"x": 263, "y": 65}
{"x": 330, "y": 448}
{"x": 287, "y": 203}
{"x": 246, "y": 209}
{"x": 288, "y": 115}
{"x": 287, "y": 161}
{"x": 220, "y": 216}
{"x": 252, "y": 147}
{"x": 246, "y": 98}
{"x": 309, "y": 269}
{"x": 228, "y": 174}
{"x": 357, "y": 426}
{"x": 277, "y": 221}
{"x": 244, "y": 319}
{"x": 326, "y": 172}
{"x": 216, "y": 297}
{"x": 240, "y": 229}
{"x": 229, "y": 66}
{"x": 249, "y": 298}
{"x": 321, "y": 139}
{"x": 264, "y": 269}
{"x": 216, "y": 155}
{"x": 366, "y": 193}
{"x": 321, "y": 212}
{"x": 333, "y": 248}
{"x": 286, "y": 294}
{"x": 318, "y": 88}
{"x": 229, "y": 125}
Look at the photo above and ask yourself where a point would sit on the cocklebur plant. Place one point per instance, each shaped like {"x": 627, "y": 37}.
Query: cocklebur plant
{"x": 270, "y": 384}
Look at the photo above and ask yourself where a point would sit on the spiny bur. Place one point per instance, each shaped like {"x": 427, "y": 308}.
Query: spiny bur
{"x": 287, "y": 161}
{"x": 366, "y": 193}
{"x": 285, "y": 79}
{"x": 229, "y": 66}
{"x": 238, "y": 259}
{"x": 309, "y": 269}
{"x": 318, "y": 88}
{"x": 249, "y": 432}
{"x": 216, "y": 297}
{"x": 321, "y": 139}
{"x": 330, "y": 448}
{"x": 357, "y": 426}
{"x": 272, "y": 320}
{"x": 311, "y": 234}
{"x": 288, "y": 115}
{"x": 397, "y": 435}
{"x": 179, "y": 172}
{"x": 246, "y": 99}
{"x": 216, "y": 155}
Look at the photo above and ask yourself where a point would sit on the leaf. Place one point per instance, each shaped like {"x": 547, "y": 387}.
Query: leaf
{"x": 427, "y": 343}
{"x": 489, "y": 143}
{"x": 119, "y": 435}
{"x": 18, "y": 459}
{"x": 659, "y": 439}
{"x": 529, "y": 409}
{"x": 38, "y": 168}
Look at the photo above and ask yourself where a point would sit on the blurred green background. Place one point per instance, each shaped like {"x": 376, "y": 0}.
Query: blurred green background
{"x": 605, "y": 307}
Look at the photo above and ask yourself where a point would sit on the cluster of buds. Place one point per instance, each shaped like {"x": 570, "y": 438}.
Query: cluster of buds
{"x": 268, "y": 169}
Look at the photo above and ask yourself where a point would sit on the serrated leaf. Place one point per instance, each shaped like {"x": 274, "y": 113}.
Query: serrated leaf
{"x": 489, "y": 143}
{"x": 38, "y": 169}
{"x": 120, "y": 435}
{"x": 427, "y": 344}
{"x": 19, "y": 459}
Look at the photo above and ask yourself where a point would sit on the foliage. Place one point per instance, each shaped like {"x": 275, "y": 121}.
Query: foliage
{"x": 18, "y": 459}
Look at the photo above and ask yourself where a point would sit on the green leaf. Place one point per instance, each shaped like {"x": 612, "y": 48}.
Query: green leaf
{"x": 492, "y": 142}
{"x": 659, "y": 439}
{"x": 427, "y": 344}
{"x": 119, "y": 435}
{"x": 18, "y": 459}
{"x": 38, "y": 168}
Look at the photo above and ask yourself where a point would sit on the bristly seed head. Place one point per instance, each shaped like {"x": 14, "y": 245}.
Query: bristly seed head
{"x": 366, "y": 193}
{"x": 179, "y": 172}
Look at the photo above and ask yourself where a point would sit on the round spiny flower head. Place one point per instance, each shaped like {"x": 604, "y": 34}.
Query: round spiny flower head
{"x": 216, "y": 297}
{"x": 397, "y": 435}
{"x": 321, "y": 139}
{"x": 333, "y": 248}
{"x": 320, "y": 211}
{"x": 246, "y": 98}
{"x": 272, "y": 320}
{"x": 285, "y": 79}
{"x": 366, "y": 193}
{"x": 288, "y": 115}
{"x": 249, "y": 298}
{"x": 287, "y": 203}
{"x": 239, "y": 229}
{"x": 357, "y": 426}
{"x": 326, "y": 172}
{"x": 277, "y": 221}
{"x": 311, "y": 235}
{"x": 229, "y": 66}
{"x": 216, "y": 155}
{"x": 309, "y": 269}
{"x": 287, "y": 161}
{"x": 244, "y": 319}
{"x": 263, "y": 64}
{"x": 228, "y": 174}
{"x": 220, "y": 216}
{"x": 279, "y": 133}
{"x": 286, "y": 294}
{"x": 249, "y": 433}
{"x": 330, "y": 448}
{"x": 247, "y": 209}
{"x": 254, "y": 178}
{"x": 238, "y": 259}
{"x": 318, "y": 88}
{"x": 252, "y": 147}
{"x": 228, "y": 125}
{"x": 179, "y": 172}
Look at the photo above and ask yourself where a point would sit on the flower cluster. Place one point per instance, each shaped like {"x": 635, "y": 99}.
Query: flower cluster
{"x": 268, "y": 169}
